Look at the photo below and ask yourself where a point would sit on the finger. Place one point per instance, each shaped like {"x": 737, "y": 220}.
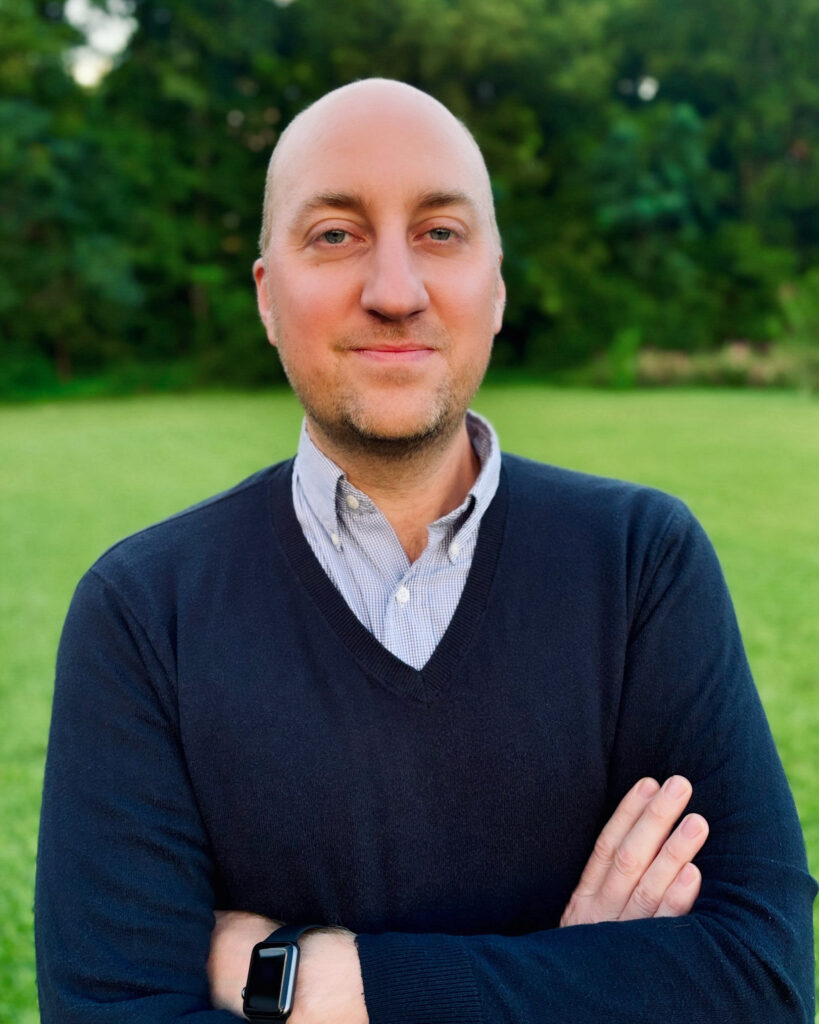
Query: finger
{"x": 682, "y": 894}
{"x": 641, "y": 845}
{"x": 684, "y": 843}
{"x": 616, "y": 829}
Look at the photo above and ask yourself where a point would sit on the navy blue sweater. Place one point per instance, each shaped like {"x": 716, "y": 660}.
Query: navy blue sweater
{"x": 226, "y": 734}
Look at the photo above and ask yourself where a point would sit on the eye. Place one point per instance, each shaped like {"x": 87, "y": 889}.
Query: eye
{"x": 335, "y": 236}
{"x": 440, "y": 234}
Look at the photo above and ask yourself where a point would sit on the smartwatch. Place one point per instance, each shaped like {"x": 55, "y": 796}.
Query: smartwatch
{"x": 271, "y": 979}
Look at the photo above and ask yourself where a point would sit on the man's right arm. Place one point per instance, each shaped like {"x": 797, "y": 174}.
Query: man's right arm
{"x": 125, "y": 880}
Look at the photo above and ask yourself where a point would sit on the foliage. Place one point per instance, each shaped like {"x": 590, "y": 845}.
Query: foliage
{"x": 50, "y": 242}
{"x": 737, "y": 364}
{"x": 656, "y": 170}
{"x": 799, "y": 300}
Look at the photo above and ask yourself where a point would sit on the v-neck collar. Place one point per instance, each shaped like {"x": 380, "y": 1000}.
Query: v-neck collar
{"x": 423, "y": 685}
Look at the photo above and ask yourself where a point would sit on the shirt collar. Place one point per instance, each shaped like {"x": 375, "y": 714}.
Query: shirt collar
{"x": 320, "y": 480}
{"x": 318, "y": 476}
{"x": 467, "y": 518}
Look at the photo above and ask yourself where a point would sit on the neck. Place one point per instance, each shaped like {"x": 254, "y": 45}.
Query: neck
{"x": 414, "y": 490}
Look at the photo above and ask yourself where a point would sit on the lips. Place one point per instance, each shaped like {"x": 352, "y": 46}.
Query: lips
{"x": 394, "y": 343}
{"x": 394, "y": 353}
{"x": 394, "y": 348}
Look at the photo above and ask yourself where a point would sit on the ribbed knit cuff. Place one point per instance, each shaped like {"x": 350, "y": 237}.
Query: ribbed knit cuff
{"x": 418, "y": 979}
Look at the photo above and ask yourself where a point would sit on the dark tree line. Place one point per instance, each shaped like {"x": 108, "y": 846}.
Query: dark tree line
{"x": 655, "y": 165}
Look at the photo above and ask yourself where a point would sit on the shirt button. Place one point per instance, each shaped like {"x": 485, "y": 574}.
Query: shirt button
{"x": 454, "y": 549}
{"x": 334, "y": 537}
{"x": 352, "y": 502}
{"x": 402, "y": 595}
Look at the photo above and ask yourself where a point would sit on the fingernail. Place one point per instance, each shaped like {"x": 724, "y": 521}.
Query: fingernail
{"x": 688, "y": 875}
{"x": 648, "y": 787}
{"x": 676, "y": 786}
{"x": 692, "y": 826}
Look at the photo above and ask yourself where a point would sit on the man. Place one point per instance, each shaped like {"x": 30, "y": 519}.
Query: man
{"x": 396, "y": 688}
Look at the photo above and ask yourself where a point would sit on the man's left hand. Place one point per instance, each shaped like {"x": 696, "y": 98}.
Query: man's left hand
{"x": 639, "y": 867}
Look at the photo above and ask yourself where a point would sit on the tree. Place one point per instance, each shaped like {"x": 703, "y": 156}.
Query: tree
{"x": 62, "y": 276}
{"x": 654, "y": 166}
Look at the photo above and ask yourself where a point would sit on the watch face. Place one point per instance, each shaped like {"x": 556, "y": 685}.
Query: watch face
{"x": 269, "y": 989}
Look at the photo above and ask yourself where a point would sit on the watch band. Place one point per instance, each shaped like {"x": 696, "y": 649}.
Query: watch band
{"x": 291, "y": 932}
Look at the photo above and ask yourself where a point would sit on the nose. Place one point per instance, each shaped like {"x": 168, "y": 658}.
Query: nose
{"x": 393, "y": 287}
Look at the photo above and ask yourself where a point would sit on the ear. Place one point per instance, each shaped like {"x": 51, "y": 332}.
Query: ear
{"x": 263, "y": 300}
{"x": 500, "y": 298}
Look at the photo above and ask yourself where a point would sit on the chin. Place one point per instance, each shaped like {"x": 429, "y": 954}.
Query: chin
{"x": 396, "y": 422}
{"x": 396, "y": 434}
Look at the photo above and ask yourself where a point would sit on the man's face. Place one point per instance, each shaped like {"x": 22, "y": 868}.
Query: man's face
{"x": 381, "y": 285}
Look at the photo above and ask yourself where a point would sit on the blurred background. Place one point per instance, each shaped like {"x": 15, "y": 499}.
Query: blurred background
{"x": 655, "y": 165}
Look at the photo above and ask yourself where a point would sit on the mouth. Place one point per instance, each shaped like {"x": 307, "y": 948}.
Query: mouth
{"x": 385, "y": 353}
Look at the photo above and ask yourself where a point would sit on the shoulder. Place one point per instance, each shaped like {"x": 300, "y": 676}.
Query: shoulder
{"x": 210, "y": 531}
{"x": 626, "y": 541}
{"x": 603, "y": 506}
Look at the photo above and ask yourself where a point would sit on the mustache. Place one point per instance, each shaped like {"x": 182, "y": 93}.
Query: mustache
{"x": 402, "y": 335}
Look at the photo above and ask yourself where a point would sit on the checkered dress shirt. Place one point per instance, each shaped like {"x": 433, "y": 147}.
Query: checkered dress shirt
{"x": 406, "y": 606}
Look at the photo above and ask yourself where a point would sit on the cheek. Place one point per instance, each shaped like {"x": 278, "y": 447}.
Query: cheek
{"x": 297, "y": 304}
{"x": 313, "y": 311}
{"x": 469, "y": 305}
{"x": 309, "y": 290}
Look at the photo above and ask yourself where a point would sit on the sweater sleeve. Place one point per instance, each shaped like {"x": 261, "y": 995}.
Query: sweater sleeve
{"x": 124, "y": 893}
{"x": 745, "y": 953}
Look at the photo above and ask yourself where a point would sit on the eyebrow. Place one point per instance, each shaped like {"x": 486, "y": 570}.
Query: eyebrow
{"x": 353, "y": 201}
{"x": 433, "y": 200}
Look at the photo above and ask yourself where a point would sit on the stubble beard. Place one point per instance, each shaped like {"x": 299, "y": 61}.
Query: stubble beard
{"x": 351, "y": 429}
{"x": 347, "y": 424}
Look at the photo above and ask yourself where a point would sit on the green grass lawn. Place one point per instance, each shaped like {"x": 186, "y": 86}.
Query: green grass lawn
{"x": 75, "y": 477}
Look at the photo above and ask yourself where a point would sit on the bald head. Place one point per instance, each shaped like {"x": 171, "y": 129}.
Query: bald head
{"x": 364, "y": 115}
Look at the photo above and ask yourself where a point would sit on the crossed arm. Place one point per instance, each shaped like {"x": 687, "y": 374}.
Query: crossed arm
{"x": 641, "y": 867}
{"x": 137, "y": 857}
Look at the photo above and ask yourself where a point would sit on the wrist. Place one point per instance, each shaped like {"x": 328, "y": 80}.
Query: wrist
{"x": 234, "y": 935}
{"x": 329, "y": 988}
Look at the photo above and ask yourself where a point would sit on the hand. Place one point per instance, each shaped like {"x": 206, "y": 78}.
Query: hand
{"x": 329, "y": 989}
{"x": 639, "y": 868}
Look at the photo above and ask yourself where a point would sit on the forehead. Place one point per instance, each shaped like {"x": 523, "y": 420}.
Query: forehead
{"x": 388, "y": 153}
